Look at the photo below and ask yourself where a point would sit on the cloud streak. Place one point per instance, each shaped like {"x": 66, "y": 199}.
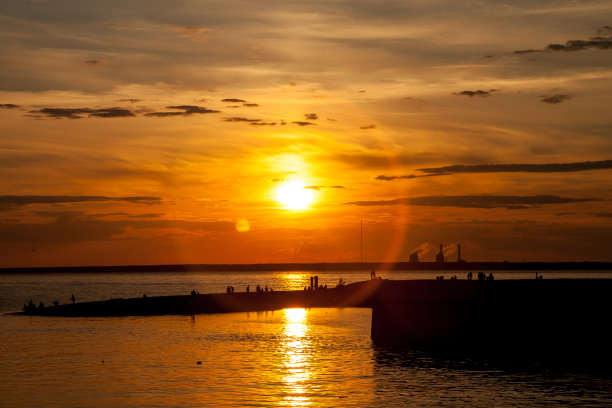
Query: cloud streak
{"x": 478, "y": 93}
{"x": 322, "y": 187}
{"x": 187, "y": 110}
{"x": 477, "y": 201}
{"x": 505, "y": 168}
{"x": 77, "y": 113}
{"x": 9, "y": 202}
{"x": 602, "y": 41}
{"x": 555, "y": 99}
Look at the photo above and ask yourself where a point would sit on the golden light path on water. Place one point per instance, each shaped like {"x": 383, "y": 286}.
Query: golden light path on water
{"x": 295, "y": 358}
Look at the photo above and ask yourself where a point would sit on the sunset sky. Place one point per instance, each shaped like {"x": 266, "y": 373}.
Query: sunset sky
{"x": 156, "y": 132}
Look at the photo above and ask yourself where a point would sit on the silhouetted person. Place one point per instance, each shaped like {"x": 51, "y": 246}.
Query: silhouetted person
{"x": 491, "y": 277}
{"x": 248, "y": 288}
{"x": 41, "y": 305}
{"x": 72, "y": 298}
{"x": 144, "y": 295}
{"x": 470, "y": 276}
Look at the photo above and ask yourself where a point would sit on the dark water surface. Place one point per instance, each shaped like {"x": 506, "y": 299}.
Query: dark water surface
{"x": 292, "y": 357}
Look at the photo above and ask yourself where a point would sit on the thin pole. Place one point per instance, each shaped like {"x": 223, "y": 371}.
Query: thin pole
{"x": 361, "y": 241}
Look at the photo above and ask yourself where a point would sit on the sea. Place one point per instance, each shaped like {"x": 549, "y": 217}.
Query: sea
{"x": 283, "y": 358}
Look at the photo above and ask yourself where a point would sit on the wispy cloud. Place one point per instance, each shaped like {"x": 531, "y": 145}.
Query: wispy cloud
{"x": 9, "y": 106}
{"x": 299, "y": 123}
{"x": 602, "y": 41}
{"x": 197, "y": 34}
{"x": 187, "y": 110}
{"x": 477, "y": 201}
{"x": 322, "y": 187}
{"x": 8, "y": 202}
{"x": 311, "y": 116}
{"x": 233, "y": 100}
{"x": 478, "y": 92}
{"x": 554, "y": 99}
{"x": 368, "y": 127}
{"x": 76, "y": 113}
{"x": 241, "y": 119}
{"x": 504, "y": 168}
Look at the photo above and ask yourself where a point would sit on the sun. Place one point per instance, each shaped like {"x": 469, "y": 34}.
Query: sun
{"x": 294, "y": 195}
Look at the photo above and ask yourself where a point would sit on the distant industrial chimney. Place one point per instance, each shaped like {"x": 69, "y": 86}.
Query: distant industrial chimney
{"x": 440, "y": 255}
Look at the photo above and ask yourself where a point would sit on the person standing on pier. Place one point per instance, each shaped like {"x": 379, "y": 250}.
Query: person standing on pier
{"x": 72, "y": 298}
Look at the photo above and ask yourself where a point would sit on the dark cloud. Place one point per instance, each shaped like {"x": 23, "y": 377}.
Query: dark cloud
{"x": 68, "y": 113}
{"x": 164, "y": 114}
{"x": 187, "y": 110}
{"x": 93, "y": 63}
{"x": 78, "y": 227}
{"x": 233, "y": 100}
{"x": 321, "y": 187}
{"x": 299, "y": 123}
{"x": 504, "y": 168}
{"x": 262, "y": 123}
{"x": 478, "y": 92}
{"x": 311, "y": 116}
{"x": 602, "y": 215}
{"x": 250, "y": 105}
{"x": 76, "y": 113}
{"x": 602, "y": 41}
{"x": 111, "y": 113}
{"x": 239, "y": 119}
{"x": 9, "y": 106}
{"x": 477, "y": 201}
{"x": 554, "y": 99}
{"x": 367, "y": 127}
{"x": 390, "y": 178}
{"x": 130, "y": 100}
{"x": 604, "y": 30}
{"x": 8, "y": 202}
{"x": 523, "y": 168}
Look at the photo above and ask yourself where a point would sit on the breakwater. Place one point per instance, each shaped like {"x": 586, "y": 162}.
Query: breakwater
{"x": 567, "y": 316}
{"x": 357, "y": 294}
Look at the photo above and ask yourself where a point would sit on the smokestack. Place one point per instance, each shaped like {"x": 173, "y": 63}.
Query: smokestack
{"x": 458, "y": 253}
{"x": 440, "y": 255}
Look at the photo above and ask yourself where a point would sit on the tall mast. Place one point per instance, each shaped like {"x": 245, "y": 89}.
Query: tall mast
{"x": 361, "y": 241}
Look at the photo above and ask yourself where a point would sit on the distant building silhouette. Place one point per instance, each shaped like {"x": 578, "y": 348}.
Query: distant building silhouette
{"x": 414, "y": 257}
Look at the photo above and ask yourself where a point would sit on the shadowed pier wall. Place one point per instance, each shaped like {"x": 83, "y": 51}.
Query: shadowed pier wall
{"x": 568, "y": 316}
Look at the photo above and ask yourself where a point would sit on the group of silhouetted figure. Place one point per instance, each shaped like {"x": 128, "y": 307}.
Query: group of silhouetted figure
{"x": 31, "y": 306}
{"x": 481, "y": 276}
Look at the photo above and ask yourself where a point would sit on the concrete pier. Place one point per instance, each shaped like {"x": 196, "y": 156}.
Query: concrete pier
{"x": 538, "y": 316}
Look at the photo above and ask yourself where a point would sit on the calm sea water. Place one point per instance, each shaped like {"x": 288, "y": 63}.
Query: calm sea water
{"x": 292, "y": 357}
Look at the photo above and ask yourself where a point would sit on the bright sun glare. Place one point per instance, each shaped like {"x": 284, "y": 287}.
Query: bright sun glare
{"x": 294, "y": 196}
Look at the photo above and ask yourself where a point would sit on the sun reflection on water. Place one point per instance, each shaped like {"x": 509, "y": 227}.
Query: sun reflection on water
{"x": 296, "y": 367}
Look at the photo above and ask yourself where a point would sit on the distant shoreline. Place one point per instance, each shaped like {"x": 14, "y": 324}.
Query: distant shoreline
{"x": 321, "y": 266}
